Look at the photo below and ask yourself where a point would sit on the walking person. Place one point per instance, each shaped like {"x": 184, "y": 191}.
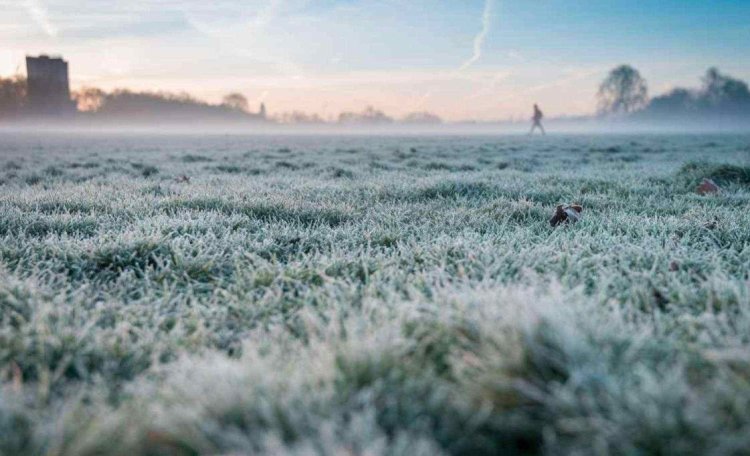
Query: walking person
{"x": 537, "y": 119}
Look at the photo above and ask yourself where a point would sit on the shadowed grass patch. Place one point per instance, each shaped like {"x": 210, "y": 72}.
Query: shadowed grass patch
{"x": 108, "y": 262}
{"x": 456, "y": 189}
{"x": 521, "y": 212}
{"x": 341, "y": 173}
{"x": 84, "y": 165}
{"x": 308, "y": 216}
{"x": 145, "y": 170}
{"x": 35, "y": 226}
{"x": 52, "y": 207}
{"x": 691, "y": 174}
{"x": 440, "y": 166}
{"x": 195, "y": 158}
{"x": 230, "y": 169}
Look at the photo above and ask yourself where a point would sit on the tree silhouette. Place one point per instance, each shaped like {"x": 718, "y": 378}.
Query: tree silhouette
{"x": 622, "y": 92}
{"x": 370, "y": 115}
{"x": 720, "y": 95}
{"x": 12, "y": 96}
{"x": 236, "y": 101}
{"x": 422, "y": 118}
{"x": 719, "y": 89}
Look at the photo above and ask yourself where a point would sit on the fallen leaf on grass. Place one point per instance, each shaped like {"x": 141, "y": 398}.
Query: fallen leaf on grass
{"x": 707, "y": 187}
{"x": 564, "y": 214}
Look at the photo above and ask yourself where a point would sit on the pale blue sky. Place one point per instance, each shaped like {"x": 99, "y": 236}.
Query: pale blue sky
{"x": 482, "y": 59}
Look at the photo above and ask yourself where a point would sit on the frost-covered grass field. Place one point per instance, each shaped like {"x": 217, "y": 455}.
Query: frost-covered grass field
{"x": 368, "y": 295}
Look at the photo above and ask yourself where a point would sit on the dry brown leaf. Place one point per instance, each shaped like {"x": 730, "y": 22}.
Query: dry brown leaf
{"x": 707, "y": 187}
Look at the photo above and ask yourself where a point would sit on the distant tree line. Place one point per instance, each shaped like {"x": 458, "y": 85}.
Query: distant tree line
{"x": 368, "y": 116}
{"x": 126, "y": 104}
{"x": 123, "y": 104}
{"x": 624, "y": 93}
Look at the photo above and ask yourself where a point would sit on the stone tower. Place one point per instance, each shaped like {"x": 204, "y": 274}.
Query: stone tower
{"x": 48, "y": 87}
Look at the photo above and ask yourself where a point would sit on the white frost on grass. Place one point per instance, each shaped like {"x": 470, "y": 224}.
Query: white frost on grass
{"x": 374, "y": 295}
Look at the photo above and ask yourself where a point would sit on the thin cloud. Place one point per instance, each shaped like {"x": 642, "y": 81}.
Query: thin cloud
{"x": 573, "y": 76}
{"x": 489, "y": 6}
{"x": 232, "y": 34}
{"x": 493, "y": 85}
{"x": 40, "y": 15}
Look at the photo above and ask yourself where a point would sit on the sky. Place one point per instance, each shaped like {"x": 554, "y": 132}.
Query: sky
{"x": 459, "y": 59}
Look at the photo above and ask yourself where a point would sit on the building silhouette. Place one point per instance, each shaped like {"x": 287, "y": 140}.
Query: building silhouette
{"x": 48, "y": 87}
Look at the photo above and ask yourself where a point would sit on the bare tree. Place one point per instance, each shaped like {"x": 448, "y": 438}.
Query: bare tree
{"x": 622, "y": 92}
{"x": 236, "y": 101}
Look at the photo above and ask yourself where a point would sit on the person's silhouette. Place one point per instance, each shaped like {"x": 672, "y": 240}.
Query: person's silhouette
{"x": 537, "y": 120}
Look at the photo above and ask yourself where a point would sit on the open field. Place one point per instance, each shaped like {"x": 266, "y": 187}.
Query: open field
{"x": 367, "y": 295}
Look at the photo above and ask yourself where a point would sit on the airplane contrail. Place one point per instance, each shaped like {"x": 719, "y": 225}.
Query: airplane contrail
{"x": 489, "y": 6}
{"x": 40, "y": 15}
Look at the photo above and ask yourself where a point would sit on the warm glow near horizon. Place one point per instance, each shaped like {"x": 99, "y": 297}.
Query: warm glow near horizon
{"x": 482, "y": 59}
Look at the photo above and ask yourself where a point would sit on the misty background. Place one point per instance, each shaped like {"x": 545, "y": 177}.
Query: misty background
{"x": 719, "y": 102}
{"x": 382, "y": 63}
